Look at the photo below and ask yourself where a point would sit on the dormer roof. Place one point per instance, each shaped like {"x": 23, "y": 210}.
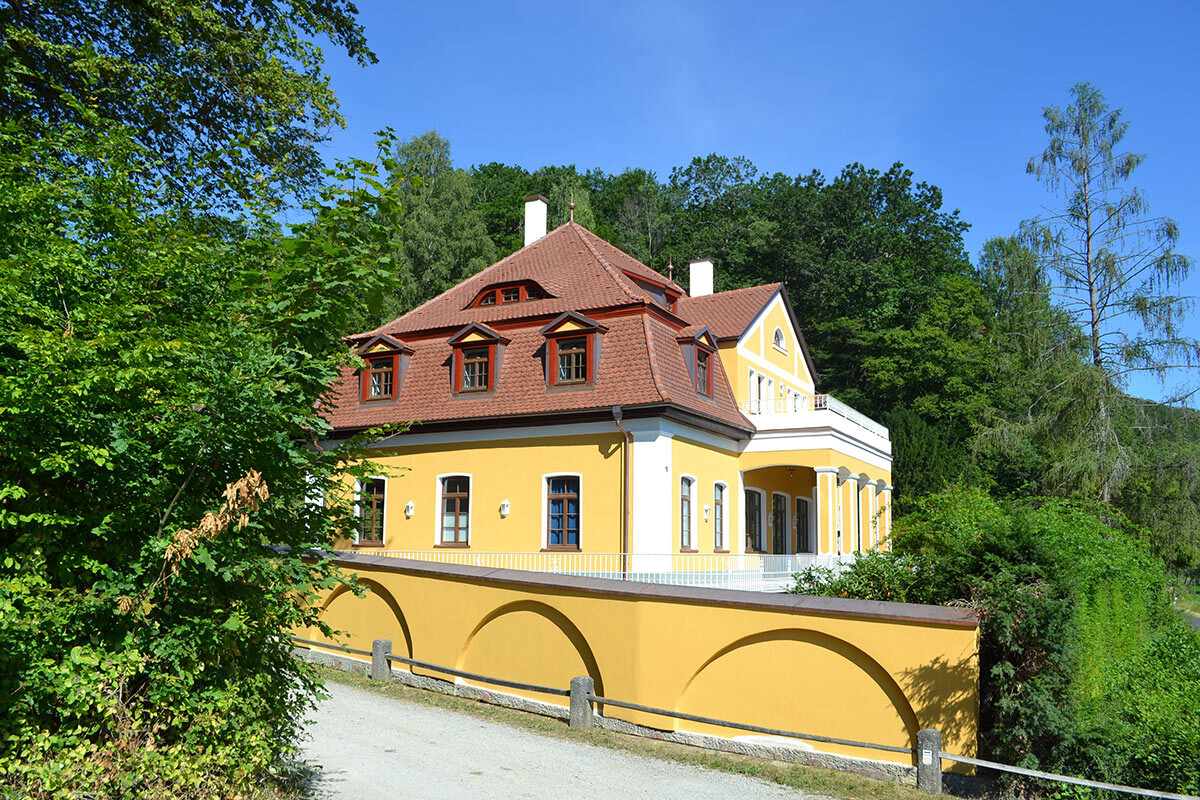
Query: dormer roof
{"x": 477, "y": 332}
{"x": 381, "y": 343}
{"x": 571, "y": 320}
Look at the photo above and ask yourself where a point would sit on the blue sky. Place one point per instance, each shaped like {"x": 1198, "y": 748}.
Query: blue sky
{"x": 953, "y": 90}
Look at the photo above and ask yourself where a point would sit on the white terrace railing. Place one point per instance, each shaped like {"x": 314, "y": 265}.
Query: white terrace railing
{"x": 749, "y": 572}
{"x": 805, "y": 404}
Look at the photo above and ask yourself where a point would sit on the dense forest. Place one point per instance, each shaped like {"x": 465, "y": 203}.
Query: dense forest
{"x": 984, "y": 378}
{"x": 165, "y": 343}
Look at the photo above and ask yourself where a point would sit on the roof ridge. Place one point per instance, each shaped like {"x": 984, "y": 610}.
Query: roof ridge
{"x": 610, "y": 268}
{"x": 382, "y": 328}
{"x": 668, "y": 281}
{"x": 734, "y": 291}
{"x": 662, "y": 393}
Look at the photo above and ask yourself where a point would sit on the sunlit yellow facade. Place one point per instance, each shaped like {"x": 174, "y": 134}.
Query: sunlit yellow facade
{"x": 822, "y": 479}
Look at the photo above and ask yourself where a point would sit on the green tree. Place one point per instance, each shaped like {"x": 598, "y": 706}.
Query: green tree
{"x": 1113, "y": 266}
{"x": 187, "y": 78}
{"x": 442, "y": 238}
{"x": 160, "y": 391}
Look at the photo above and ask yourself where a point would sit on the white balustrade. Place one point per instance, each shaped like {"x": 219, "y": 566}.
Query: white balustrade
{"x": 746, "y": 571}
{"x": 800, "y": 404}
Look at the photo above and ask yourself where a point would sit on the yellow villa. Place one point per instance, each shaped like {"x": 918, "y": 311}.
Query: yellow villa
{"x": 576, "y": 411}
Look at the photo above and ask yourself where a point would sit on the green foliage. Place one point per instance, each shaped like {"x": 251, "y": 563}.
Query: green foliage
{"x": 1079, "y": 646}
{"x": 186, "y": 77}
{"x": 151, "y": 356}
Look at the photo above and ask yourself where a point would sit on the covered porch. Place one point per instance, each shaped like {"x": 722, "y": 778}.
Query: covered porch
{"x": 816, "y": 511}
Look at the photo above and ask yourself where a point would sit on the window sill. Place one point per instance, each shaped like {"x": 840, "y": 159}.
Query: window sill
{"x": 561, "y": 549}
{"x": 750, "y": 552}
{"x": 719, "y": 550}
{"x": 688, "y": 550}
{"x": 375, "y": 545}
{"x": 453, "y": 545}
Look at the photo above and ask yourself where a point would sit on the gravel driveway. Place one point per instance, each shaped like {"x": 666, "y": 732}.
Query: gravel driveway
{"x": 371, "y": 746}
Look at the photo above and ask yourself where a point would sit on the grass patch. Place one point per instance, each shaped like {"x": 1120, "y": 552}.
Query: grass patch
{"x": 844, "y": 785}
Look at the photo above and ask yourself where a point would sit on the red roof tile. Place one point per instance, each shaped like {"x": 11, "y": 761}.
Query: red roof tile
{"x": 727, "y": 314}
{"x": 640, "y": 360}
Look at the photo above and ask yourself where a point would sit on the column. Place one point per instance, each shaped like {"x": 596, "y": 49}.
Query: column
{"x": 851, "y": 510}
{"x": 865, "y": 498}
{"x": 825, "y": 496}
{"x": 885, "y": 517}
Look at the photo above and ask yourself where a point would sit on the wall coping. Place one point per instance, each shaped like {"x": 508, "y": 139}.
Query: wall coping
{"x": 730, "y": 598}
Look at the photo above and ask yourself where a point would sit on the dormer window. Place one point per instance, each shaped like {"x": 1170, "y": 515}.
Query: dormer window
{"x": 699, "y": 349}
{"x": 386, "y": 361}
{"x": 381, "y": 378}
{"x": 572, "y": 349}
{"x": 572, "y": 360}
{"x": 475, "y": 366}
{"x": 703, "y": 371}
{"x": 507, "y": 294}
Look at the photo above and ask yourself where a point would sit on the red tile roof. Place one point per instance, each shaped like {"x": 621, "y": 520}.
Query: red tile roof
{"x": 640, "y": 360}
{"x": 727, "y": 314}
{"x": 574, "y": 266}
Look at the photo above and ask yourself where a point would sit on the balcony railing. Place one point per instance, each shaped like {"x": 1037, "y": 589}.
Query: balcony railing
{"x": 805, "y": 404}
{"x": 749, "y": 572}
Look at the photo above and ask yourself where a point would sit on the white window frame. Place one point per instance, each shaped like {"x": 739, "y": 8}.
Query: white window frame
{"x": 387, "y": 493}
{"x": 724, "y": 514}
{"x": 692, "y": 498}
{"x": 437, "y": 521}
{"x": 752, "y": 392}
{"x": 545, "y": 512}
{"x": 762, "y": 511}
{"x": 782, "y": 337}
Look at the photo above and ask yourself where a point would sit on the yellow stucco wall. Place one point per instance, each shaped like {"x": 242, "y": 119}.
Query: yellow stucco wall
{"x": 707, "y": 464}
{"x": 511, "y": 469}
{"x": 854, "y": 673}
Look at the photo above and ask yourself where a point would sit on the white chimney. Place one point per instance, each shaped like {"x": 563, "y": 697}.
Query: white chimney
{"x": 700, "y": 277}
{"x": 535, "y": 217}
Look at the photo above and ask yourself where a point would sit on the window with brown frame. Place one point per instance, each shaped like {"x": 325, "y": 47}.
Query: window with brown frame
{"x": 379, "y": 379}
{"x": 572, "y": 360}
{"x": 562, "y": 513}
{"x": 511, "y": 295}
{"x": 703, "y": 371}
{"x": 804, "y": 543}
{"x": 475, "y": 363}
{"x": 456, "y": 507}
{"x": 488, "y": 299}
{"x": 718, "y": 516}
{"x": 371, "y": 504}
{"x": 685, "y": 513}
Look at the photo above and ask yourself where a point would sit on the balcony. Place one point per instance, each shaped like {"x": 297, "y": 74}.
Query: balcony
{"x": 746, "y": 572}
{"x": 803, "y": 411}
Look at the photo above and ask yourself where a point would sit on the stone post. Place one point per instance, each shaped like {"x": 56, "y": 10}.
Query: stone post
{"x": 581, "y": 707}
{"x": 381, "y": 668}
{"x": 929, "y": 760}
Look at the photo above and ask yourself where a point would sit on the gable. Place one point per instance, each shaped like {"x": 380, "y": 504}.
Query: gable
{"x": 773, "y": 343}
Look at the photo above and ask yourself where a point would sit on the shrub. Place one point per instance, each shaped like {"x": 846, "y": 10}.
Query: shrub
{"x": 1084, "y": 667}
